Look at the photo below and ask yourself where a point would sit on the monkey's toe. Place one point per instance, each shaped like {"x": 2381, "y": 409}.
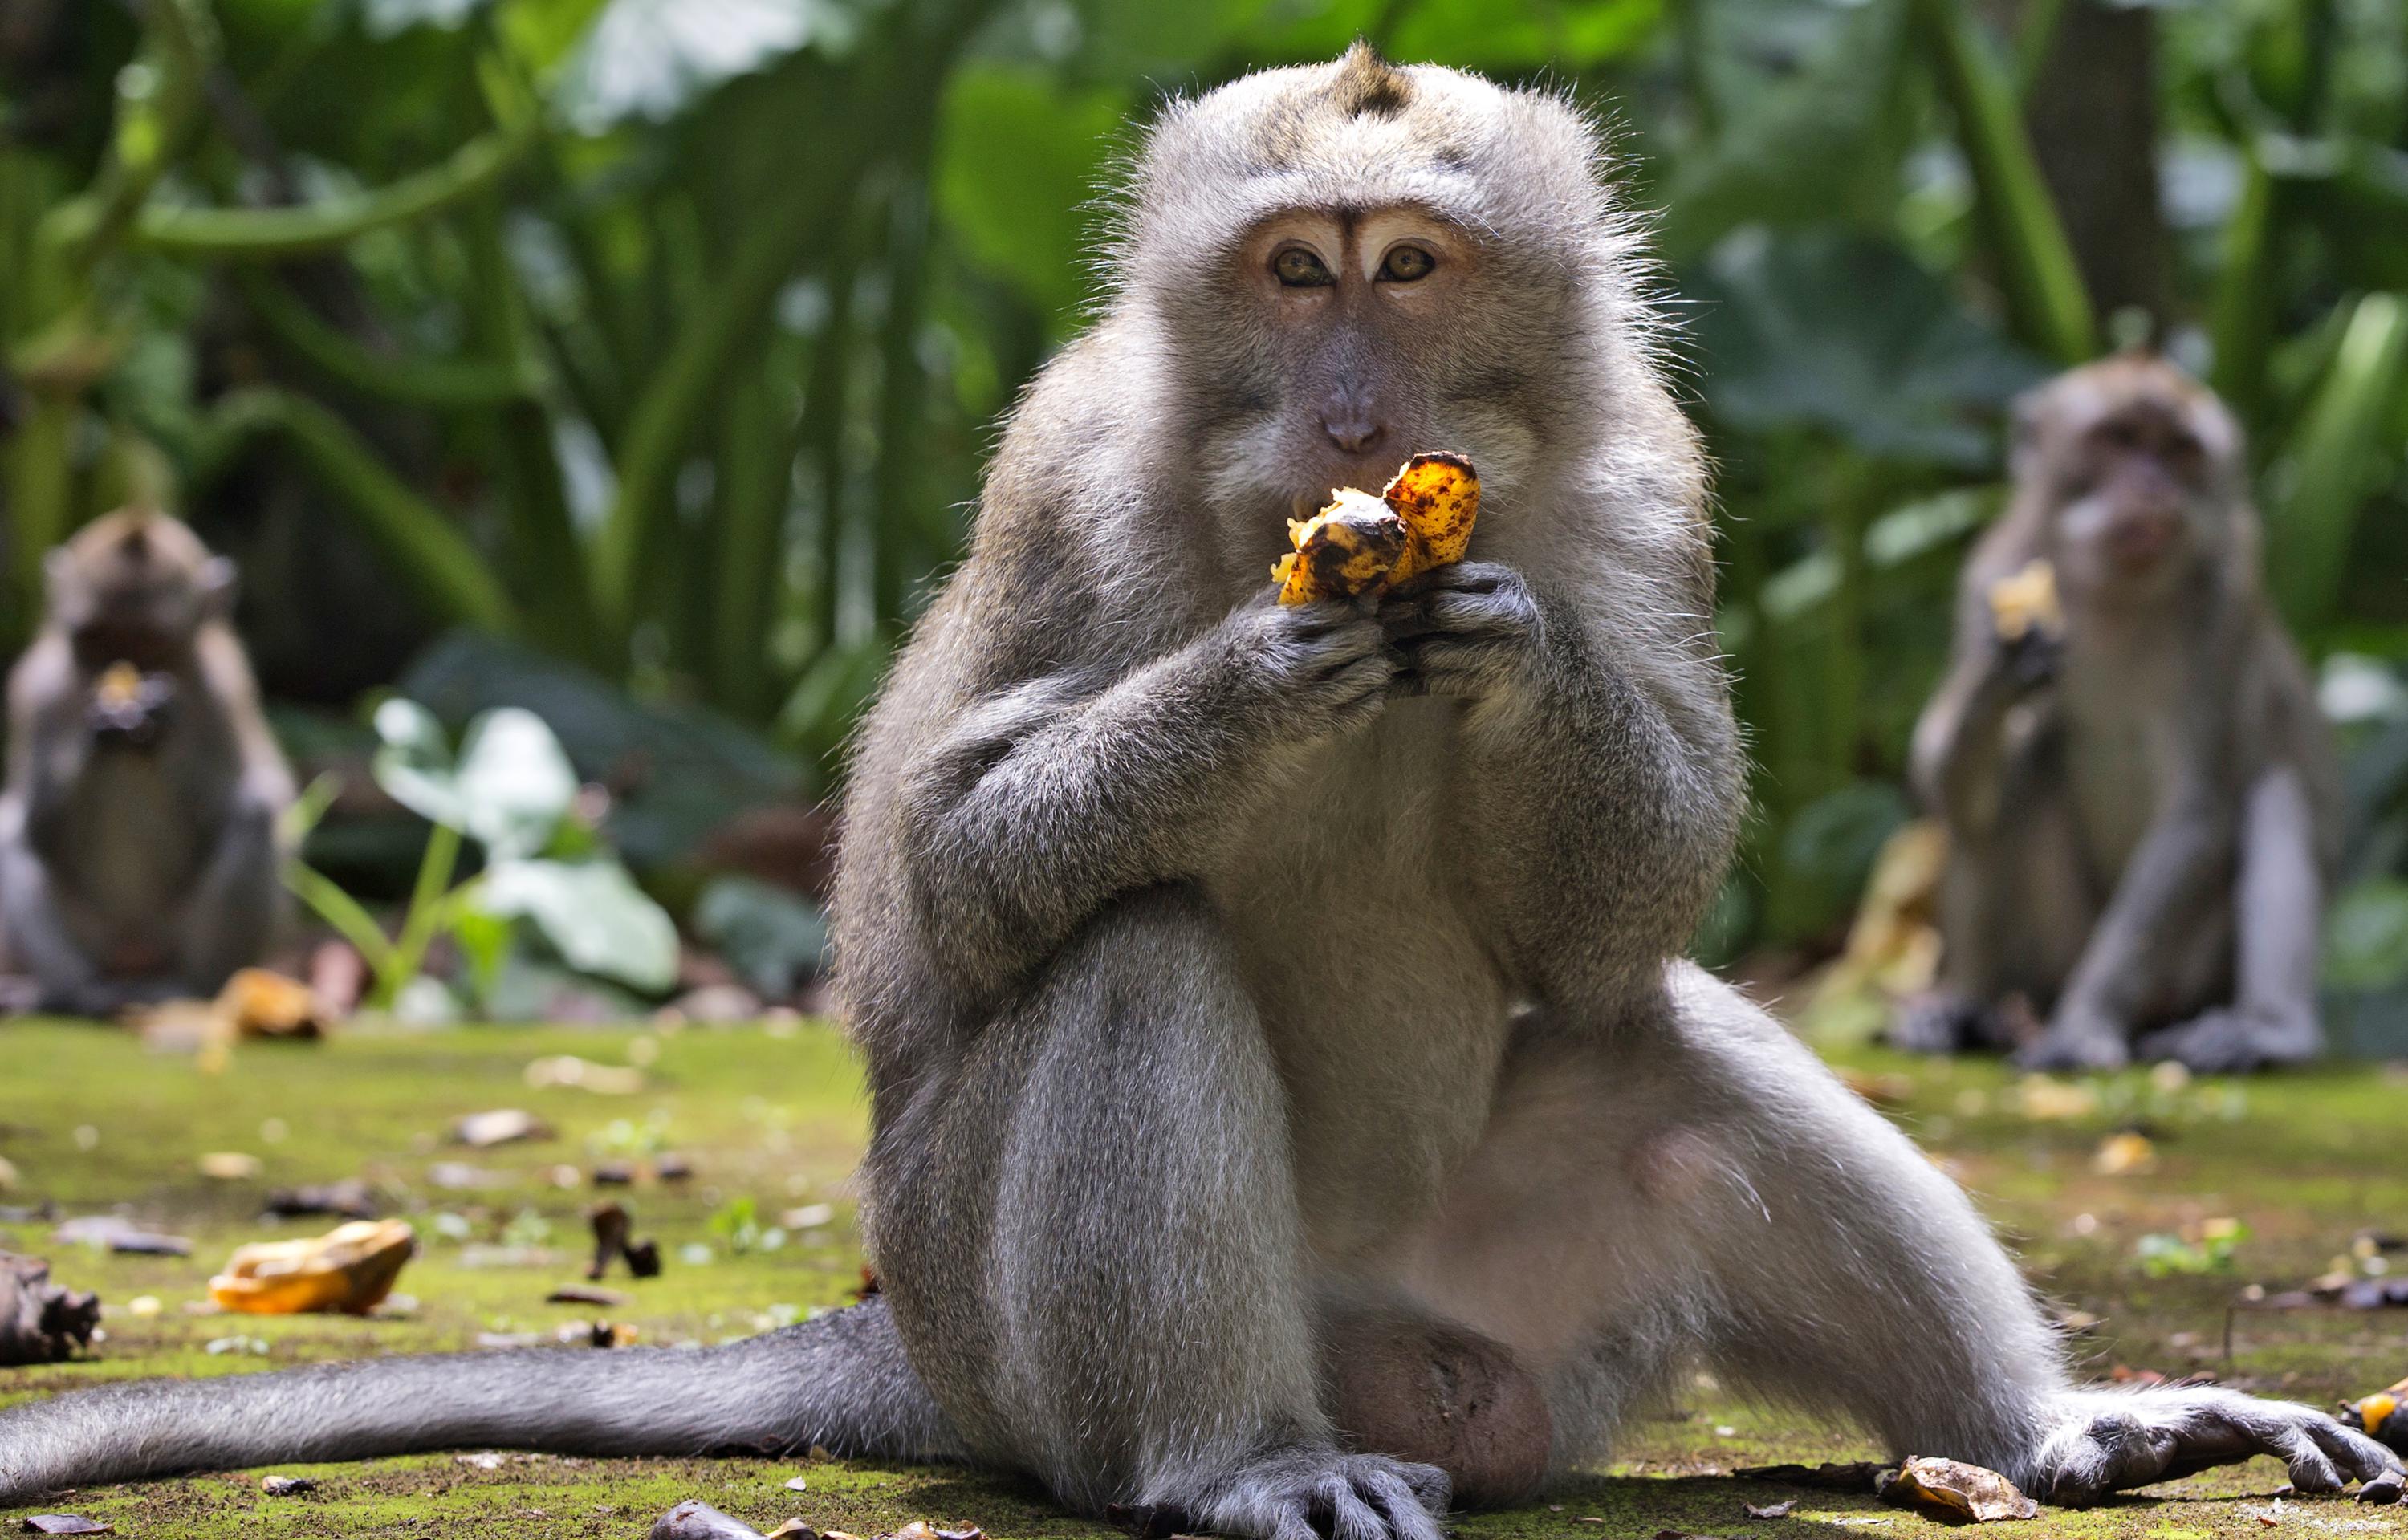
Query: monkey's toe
{"x": 1324, "y": 1495}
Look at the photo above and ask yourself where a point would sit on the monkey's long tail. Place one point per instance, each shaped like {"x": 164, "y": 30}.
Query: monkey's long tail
{"x": 840, "y": 1381}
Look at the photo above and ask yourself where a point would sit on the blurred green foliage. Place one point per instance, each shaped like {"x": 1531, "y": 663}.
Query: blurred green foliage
{"x": 666, "y": 338}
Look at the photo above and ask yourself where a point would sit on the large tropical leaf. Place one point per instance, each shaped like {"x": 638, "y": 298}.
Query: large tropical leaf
{"x": 1831, "y": 329}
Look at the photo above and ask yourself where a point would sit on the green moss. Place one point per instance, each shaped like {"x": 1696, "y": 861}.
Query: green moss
{"x": 2306, "y": 1161}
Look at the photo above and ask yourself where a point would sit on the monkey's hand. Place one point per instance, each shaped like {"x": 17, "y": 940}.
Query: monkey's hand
{"x": 1469, "y": 629}
{"x": 2111, "y": 1441}
{"x": 1318, "y": 668}
{"x": 2030, "y": 661}
{"x": 1299, "y": 1494}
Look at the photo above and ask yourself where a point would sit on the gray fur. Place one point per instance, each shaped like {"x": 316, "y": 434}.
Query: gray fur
{"x": 1221, "y": 966}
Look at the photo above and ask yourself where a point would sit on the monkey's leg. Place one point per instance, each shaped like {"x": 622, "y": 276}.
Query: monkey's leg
{"x": 1089, "y": 1233}
{"x": 839, "y": 1381}
{"x": 227, "y": 923}
{"x": 1696, "y": 1186}
{"x": 2277, "y": 903}
{"x": 33, "y": 915}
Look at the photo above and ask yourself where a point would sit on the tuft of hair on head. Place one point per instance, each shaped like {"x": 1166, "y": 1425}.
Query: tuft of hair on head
{"x": 1367, "y": 84}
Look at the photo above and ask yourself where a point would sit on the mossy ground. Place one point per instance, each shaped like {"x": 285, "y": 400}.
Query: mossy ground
{"x": 94, "y": 1123}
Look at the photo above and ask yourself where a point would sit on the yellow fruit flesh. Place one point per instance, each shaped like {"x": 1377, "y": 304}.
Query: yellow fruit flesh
{"x": 1359, "y": 545}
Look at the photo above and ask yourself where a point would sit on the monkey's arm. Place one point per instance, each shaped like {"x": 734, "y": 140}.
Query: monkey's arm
{"x": 1043, "y": 801}
{"x": 1957, "y": 759}
{"x": 48, "y": 740}
{"x": 1600, "y": 784}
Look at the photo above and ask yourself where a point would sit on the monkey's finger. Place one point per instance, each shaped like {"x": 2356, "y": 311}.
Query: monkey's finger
{"x": 1290, "y": 1521}
{"x": 1349, "y": 1518}
{"x": 2311, "y": 1471}
{"x": 1412, "y": 1512}
{"x": 2359, "y": 1457}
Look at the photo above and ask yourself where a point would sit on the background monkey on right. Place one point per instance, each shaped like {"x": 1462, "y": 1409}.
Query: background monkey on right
{"x": 2140, "y": 793}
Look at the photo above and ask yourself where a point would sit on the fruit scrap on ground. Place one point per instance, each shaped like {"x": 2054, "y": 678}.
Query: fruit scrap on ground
{"x": 2383, "y": 1416}
{"x": 350, "y": 1270}
{"x": 39, "y": 1321}
{"x": 1361, "y": 546}
{"x": 1950, "y": 1488}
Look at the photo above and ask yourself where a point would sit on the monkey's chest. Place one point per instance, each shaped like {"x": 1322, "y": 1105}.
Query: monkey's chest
{"x": 1386, "y": 1015}
{"x": 2122, "y": 753}
{"x": 132, "y": 847}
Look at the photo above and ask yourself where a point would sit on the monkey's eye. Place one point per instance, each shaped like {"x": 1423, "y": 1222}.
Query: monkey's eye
{"x": 1297, "y": 268}
{"x": 1407, "y": 263}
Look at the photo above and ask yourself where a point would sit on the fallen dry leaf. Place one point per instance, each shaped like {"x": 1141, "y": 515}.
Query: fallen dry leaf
{"x": 350, "y": 1199}
{"x": 64, "y": 1523}
{"x": 41, "y": 1323}
{"x": 2043, "y": 1100}
{"x": 792, "y": 1528}
{"x": 566, "y": 1069}
{"x": 696, "y": 1520}
{"x": 111, "y": 1232}
{"x": 2126, "y": 1154}
{"x": 1855, "y": 1475}
{"x": 231, "y": 1165}
{"x": 1950, "y": 1488}
{"x": 501, "y": 1126}
{"x": 349, "y": 1270}
{"x": 288, "y": 1485}
{"x": 1772, "y": 1510}
{"x": 8, "y": 1175}
{"x": 920, "y": 1529}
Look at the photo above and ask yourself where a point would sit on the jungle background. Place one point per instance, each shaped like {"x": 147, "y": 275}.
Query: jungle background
{"x": 634, "y": 362}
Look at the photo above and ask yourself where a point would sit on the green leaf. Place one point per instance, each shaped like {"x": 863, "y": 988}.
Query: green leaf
{"x": 413, "y": 763}
{"x": 592, "y": 913}
{"x": 1020, "y": 160}
{"x": 2366, "y": 938}
{"x": 1484, "y": 35}
{"x": 514, "y": 782}
{"x": 1831, "y": 329}
{"x": 2323, "y": 476}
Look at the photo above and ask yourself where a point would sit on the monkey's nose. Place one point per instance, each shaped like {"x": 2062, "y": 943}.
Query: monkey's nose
{"x": 1351, "y": 430}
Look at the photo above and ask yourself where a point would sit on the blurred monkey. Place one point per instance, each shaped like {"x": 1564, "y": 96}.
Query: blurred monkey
{"x": 2140, "y": 790}
{"x": 137, "y": 826}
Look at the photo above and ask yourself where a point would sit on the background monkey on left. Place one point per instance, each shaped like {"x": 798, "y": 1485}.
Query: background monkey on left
{"x": 138, "y": 828}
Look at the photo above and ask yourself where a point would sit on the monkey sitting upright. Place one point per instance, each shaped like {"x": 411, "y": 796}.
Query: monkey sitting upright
{"x": 138, "y": 827}
{"x": 1291, "y": 1109}
{"x": 2140, "y": 791}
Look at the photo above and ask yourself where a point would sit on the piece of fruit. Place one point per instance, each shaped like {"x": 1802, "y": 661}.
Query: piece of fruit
{"x": 2384, "y": 1414}
{"x": 1437, "y": 496}
{"x": 350, "y": 1269}
{"x": 1346, "y": 550}
{"x": 2025, "y": 604}
{"x": 1360, "y": 546}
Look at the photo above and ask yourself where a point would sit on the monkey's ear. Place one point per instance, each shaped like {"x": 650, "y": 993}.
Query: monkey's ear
{"x": 220, "y": 581}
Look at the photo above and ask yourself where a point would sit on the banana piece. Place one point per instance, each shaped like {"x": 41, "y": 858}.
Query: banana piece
{"x": 2025, "y": 602}
{"x": 1350, "y": 548}
{"x": 1360, "y": 546}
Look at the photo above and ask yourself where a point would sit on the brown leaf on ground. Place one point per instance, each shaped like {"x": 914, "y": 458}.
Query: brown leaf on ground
{"x": 1953, "y": 1490}
{"x": 1772, "y": 1510}
{"x": 348, "y": 1199}
{"x": 578, "y": 1294}
{"x": 41, "y": 1323}
{"x": 348, "y": 1271}
{"x": 1855, "y": 1475}
{"x": 502, "y": 1126}
{"x": 694, "y": 1520}
{"x": 288, "y": 1485}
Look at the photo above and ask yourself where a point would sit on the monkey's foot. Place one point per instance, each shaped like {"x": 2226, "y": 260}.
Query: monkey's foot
{"x": 2115, "y": 1440}
{"x": 1936, "y": 1022}
{"x": 2230, "y": 1042}
{"x": 2072, "y": 1049}
{"x": 1305, "y": 1493}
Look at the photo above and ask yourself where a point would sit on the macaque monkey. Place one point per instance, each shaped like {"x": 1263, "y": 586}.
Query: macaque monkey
{"x": 1292, "y": 1112}
{"x": 137, "y": 830}
{"x": 2138, "y": 789}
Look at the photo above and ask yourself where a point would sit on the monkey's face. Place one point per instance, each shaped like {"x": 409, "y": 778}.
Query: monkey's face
{"x": 2141, "y": 473}
{"x": 135, "y": 590}
{"x": 1348, "y": 346}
